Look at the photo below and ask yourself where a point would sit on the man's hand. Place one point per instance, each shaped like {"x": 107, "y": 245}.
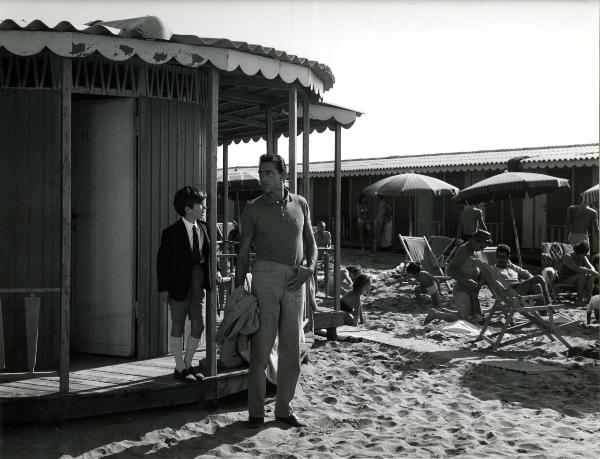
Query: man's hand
{"x": 302, "y": 275}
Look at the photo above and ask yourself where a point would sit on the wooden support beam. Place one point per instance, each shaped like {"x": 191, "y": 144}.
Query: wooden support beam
{"x": 242, "y": 120}
{"x": 338, "y": 215}
{"x": 244, "y": 99}
{"x": 292, "y": 130}
{"x": 65, "y": 276}
{"x": 305, "y": 150}
{"x": 212, "y": 152}
{"x": 225, "y": 263}
{"x": 269, "y": 120}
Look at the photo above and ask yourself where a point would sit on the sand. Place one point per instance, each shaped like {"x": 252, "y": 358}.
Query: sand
{"x": 406, "y": 391}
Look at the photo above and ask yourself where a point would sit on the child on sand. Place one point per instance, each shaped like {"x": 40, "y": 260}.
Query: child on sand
{"x": 350, "y": 302}
{"x": 428, "y": 284}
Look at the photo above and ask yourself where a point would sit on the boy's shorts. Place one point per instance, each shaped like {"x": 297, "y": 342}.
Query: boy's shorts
{"x": 193, "y": 304}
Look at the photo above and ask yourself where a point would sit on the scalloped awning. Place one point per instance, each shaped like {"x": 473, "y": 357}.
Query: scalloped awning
{"x": 323, "y": 116}
{"x": 152, "y": 41}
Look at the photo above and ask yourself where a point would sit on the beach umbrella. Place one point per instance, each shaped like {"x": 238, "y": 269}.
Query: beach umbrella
{"x": 590, "y": 196}
{"x": 244, "y": 184}
{"x": 411, "y": 185}
{"x": 510, "y": 185}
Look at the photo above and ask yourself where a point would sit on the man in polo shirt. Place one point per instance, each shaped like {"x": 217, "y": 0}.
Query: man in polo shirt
{"x": 278, "y": 223}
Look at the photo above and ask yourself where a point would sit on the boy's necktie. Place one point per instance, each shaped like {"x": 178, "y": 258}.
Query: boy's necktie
{"x": 196, "y": 248}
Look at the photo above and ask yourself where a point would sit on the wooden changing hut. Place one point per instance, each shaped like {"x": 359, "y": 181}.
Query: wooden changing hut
{"x": 100, "y": 125}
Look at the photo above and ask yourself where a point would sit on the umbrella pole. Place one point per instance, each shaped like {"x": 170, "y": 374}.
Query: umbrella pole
{"x": 410, "y": 222}
{"x": 514, "y": 223}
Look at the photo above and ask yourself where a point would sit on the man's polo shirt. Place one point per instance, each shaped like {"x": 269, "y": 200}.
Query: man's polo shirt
{"x": 276, "y": 227}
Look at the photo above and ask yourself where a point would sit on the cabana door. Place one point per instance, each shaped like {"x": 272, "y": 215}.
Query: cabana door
{"x": 103, "y": 196}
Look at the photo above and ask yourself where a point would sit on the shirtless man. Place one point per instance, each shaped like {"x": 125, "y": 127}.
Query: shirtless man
{"x": 579, "y": 221}
{"x": 466, "y": 274}
{"x": 471, "y": 220}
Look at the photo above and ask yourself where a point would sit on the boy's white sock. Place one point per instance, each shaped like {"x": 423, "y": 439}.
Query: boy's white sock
{"x": 177, "y": 346}
{"x": 190, "y": 349}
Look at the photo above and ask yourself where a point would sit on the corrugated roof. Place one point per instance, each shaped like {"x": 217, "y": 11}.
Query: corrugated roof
{"x": 151, "y": 28}
{"x": 540, "y": 157}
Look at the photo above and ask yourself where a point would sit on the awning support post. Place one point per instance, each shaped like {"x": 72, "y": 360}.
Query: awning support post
{"x": 212, "y": 150}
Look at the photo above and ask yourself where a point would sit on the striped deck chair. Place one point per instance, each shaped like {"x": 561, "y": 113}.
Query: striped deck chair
{"x": 418, "y": 250}
{"x": 515, "y": 306}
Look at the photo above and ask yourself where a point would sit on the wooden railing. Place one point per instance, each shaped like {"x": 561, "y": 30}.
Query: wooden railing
{"x": 32, "y": 321}
{"x": 550, "y": 233}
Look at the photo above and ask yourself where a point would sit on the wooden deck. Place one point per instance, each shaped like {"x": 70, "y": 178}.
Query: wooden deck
{"x": 102, "y": 388}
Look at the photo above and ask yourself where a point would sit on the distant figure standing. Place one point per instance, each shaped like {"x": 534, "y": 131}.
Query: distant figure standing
{"x": 323, "y": 240}
{"x": 322, "y": 237}
{"x": 580, "y": 220}
{"x": 471, "y": 220}
{"x": 383, "y": 212}
{"x": 364, "y": 221}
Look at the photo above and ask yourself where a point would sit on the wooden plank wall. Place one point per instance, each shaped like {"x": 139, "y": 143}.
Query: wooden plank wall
{"x": 30, "y": 203}
{"x": 171, "y": 147}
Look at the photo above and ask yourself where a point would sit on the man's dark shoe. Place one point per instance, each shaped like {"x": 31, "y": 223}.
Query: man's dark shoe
{"x": 195, "y": 373}
{"x": 291, "y": 420}
{"x": 183, "y": 376}
{"x": 254, "y": 422}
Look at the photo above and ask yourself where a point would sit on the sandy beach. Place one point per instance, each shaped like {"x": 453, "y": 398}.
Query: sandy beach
{"x": 405, "y": 391}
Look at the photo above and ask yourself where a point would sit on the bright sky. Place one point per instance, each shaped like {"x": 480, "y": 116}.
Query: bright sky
{"x": 431, "y": 76}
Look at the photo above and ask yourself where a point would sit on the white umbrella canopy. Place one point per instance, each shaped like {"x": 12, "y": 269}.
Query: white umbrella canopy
{"x": 410, "y": 184}
{"x": 509, "y": 185}
{"x": 590, "y": 196}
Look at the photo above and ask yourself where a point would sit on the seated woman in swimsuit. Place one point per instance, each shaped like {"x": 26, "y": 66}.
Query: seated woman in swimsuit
{"x": 350, "y": 302}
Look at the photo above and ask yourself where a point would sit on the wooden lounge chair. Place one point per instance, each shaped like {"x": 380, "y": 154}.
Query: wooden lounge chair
{"x": 442, "y": 247}
{"x": 514, "y": 307}
{"x": 418, "y": 250}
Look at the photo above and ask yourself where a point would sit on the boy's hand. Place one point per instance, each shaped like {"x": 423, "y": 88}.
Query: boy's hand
{"x": 164, "y": 298}
{"x": 302, "y": 275}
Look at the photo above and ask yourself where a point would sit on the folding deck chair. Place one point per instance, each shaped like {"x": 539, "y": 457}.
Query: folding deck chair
{"x": 442, "y": 247}
{"x": 418, "y": 250}
{"x": 513, "y": 305}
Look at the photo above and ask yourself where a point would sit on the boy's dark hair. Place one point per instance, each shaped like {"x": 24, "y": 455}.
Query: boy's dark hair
{"x": 362, "y": 197}
{"x": 582, "y": 248}
{"x": 413, "y": 268}
{"x": 360, "y": 281}
{"x": 503, "y": 248}
{"x": 187, "y": 197}
{"x": 275, "y": 159}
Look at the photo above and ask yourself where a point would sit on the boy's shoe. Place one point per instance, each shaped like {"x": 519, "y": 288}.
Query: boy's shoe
{"x": 183, "y": 376}
{"x": 195, "y": 373}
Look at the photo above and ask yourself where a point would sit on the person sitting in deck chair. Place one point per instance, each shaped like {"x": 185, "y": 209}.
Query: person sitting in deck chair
{"x": 577, "y": 270}
{"x": 466, "y": 274}
{"x": 428, "y": 284}
{"x": 513, "y": 276}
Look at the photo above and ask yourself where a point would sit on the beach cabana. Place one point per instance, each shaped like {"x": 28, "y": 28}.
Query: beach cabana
{"x": 106, "y": 121}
